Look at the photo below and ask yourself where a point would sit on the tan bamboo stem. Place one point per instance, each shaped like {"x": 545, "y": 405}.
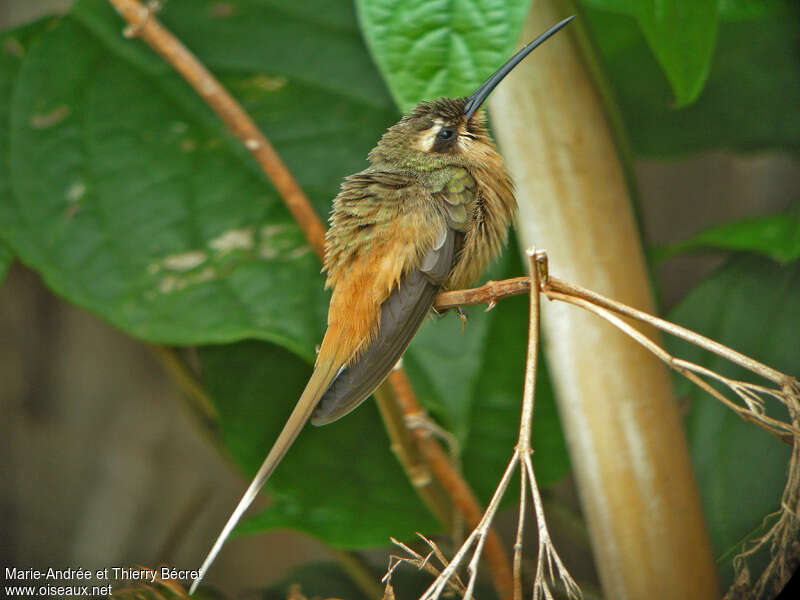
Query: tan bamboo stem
{"x": 622, "y": 425}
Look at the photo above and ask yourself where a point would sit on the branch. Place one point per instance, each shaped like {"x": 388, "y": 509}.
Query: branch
{"x": 489, "y": 293}
{"x": 556, "y": 289}
{"x": 409, "y": 454}
{"x": 549, "y": 564}
{"x": 142, "y": 23}
{"x": 457, "y": 489}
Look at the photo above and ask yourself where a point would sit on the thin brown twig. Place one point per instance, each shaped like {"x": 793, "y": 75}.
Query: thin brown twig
{"x": 423, "y": 563}
{"x": 781, "y": 538}
{"x": 556, "y": 289}
{"x": 142, "y": 23}
{"x": 690, "y": 370}
{"x": 489, "y": 293}
{"x": 549, "y": 568}
{"x": 493, "y": 291}
{"x": 460, "y": 493}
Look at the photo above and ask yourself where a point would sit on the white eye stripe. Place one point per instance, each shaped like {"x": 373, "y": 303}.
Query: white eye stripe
{"x": 427, "y": 140}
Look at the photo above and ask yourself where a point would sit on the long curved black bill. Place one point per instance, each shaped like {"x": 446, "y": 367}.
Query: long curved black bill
{"x": 477, "y": 97}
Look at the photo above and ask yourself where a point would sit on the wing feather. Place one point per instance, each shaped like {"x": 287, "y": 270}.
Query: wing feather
{"x": 402, "y": 314}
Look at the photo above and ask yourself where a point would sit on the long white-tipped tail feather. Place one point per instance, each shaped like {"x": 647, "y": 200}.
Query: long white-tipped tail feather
{"x": 317, "y": 384}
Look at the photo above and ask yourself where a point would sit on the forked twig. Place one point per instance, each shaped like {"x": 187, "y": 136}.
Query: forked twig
{"x": 549, "y": 567}
{"x": 423, "y": 563}
{"x": 781, "y": 538}
{"x": 752, "y": 395}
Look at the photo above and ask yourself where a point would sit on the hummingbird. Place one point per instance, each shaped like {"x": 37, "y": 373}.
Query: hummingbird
{"x": 429, "y": 213}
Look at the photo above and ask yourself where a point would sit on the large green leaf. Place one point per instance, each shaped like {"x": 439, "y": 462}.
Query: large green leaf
{"x": 749, "y": 101}
{"x": 750, "y": 305}
{"x": 13, "y": 45}
{"x": 430, "y": 49}
{"x": 146, "y": 212}
{"x": 775, "y": 236}
{"x": 681, "y": 34}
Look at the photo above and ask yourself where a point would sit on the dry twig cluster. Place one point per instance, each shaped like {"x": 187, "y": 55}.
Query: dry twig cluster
{"x": 781, "y": 538}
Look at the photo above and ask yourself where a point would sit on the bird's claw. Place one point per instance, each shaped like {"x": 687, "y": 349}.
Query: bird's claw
{"x": 463, "y": 316}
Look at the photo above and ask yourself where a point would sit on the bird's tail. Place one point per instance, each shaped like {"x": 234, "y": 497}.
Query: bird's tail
{"x": 324, "y": 372}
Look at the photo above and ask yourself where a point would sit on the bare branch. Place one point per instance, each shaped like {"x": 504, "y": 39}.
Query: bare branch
{"x": 457, "y": 489}
{"x": 521, "y": 457}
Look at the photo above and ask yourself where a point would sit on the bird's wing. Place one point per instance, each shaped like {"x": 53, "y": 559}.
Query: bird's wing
{"x": 402, "y": 313}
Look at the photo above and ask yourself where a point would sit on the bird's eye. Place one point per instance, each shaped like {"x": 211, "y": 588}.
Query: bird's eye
{"x": 446, "y": 133}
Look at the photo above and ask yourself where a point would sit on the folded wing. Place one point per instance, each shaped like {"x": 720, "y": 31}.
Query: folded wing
{"x": 402, "y": 314}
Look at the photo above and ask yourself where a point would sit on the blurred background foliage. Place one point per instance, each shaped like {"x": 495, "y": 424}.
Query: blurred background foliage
{"x": 121, "y": 190}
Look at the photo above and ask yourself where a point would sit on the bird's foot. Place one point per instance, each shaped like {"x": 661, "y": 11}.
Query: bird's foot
{"x": 463, "y": 316}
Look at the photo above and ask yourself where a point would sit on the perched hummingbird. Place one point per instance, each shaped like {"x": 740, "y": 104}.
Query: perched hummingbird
{"x": 428, "y": 214}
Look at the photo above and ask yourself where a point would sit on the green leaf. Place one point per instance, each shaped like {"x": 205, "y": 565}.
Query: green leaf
{"x": 735, "y": 10}
{"x": 147, "y": 212}
{"x": 775, "y": 236}
{"x": 749, "y": 101}
{"x": 681, "y": 34}
{"x": 430, "y": 49}
{"x": 13, "y": 45}
{"x": 750, "y": 304}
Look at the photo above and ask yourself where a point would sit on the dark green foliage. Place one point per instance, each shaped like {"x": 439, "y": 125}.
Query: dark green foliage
{"x": 749, "y": 101}
{"x": 681, "y": 35}
{"x": 775, "y": 236}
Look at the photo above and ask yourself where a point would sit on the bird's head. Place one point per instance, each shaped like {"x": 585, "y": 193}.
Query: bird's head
{"x": 448, "y": 131}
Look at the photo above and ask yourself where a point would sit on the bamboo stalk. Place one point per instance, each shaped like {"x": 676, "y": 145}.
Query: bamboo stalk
{"x": 616, "y": 402}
